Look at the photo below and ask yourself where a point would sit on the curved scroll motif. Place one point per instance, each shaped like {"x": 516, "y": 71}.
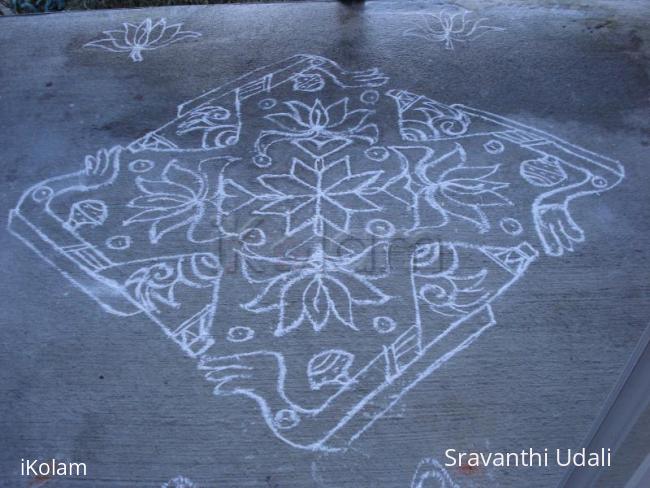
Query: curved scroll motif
{"x": 422, "y": 119}
{"x": 155, "y": 284}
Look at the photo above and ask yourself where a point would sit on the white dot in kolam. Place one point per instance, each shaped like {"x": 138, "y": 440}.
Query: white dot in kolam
{"x": 511, "y": 226}
{"x": 286, "y": 419}
{"x": 42, "y": 193}
{"x": 383, "y": 325}
{"x": 380, "y": 228}
{"x": 240, "y": 334}
{"x": 262, "y": 160}
{"x": 267, "y": 103}
{"x": 377, "y": 153}
{"x": 118, "y": 242}
{"x": 370, "y": 97}
{"x": 141, "y": 165}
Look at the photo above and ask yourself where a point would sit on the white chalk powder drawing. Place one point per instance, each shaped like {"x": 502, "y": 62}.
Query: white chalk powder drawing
{"x": 179, "y": 482}
{"x": 265, "y": 215}
{"x": 145, "y": 36}
{"x": 431, "y": 474}
{"x": 451, "y": 25}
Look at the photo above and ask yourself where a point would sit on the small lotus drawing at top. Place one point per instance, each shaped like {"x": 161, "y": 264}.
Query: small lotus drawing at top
{"x": 145, "y": 36}
{"x": 451, "y": 25}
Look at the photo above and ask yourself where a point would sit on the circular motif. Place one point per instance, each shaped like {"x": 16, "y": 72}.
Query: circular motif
{"x": 493, "y": 146}
{"x": 267, "y": 103}
{"x": 599, "y": 182}
{"x": 380, "y": 228}
{"x": 377, "y": 153}
{"x": 42, "y": 193}
{"x": 511, "y": 226}
{"x": 141, "y": 165}
{"x": 370, "y": 97}
{"x": 240, "y": 334}
{"x": 383, "y": 325}
{"x": 118, "y": 242}
{"x": 253, "y": 237}
{"x": 286, "y": 419}
{"x": 262, "y": 160}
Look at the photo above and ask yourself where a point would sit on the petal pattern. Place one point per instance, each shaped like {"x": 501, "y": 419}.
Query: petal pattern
{"x": 145, "y": 36}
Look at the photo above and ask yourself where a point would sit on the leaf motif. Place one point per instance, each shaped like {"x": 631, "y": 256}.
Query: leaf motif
{"x": 169, "y": 223}
{"x": 181, "y": 36}
{"x": 353, "y": 120}
{"x": 430, "y": 171}
{"x": 471, "y": 213}
{"x": 153, "y": 214}
{"x": 291, "y": 316}
{"x": 317, "y": 303}
{"x": 299, "y": 110}
{"x": 416, "y": 32}
{"x": 156, "y": 202}
{"x": 287, "y": 121}
{"x": 205, "y": 226}
{"x": 361, "y": 290}
{"x": 353, "y": 183}
{"x": 473, "y": 192}
{"x": 192, "y": 181}
{"x": 337, "y": 112}
{"x": 158, "y": 188}
{"x": 108, "y": 44}
{"x": 142, "y": 33}
{"x": 157, "y": 31}
{"x": 461, "y": 172}
{"x": 341, "y": 301}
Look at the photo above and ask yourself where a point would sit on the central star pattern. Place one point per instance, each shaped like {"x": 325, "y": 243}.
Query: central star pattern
{"x": 319, "y": 195}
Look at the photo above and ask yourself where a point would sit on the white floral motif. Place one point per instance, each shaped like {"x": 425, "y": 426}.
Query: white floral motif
{"x": 325, "y": 194}
{"x": 182, "y": 197}
{"x": 318, "y": 124}
{"x": 446, "y": 187}
{"x": 144, "y": 36}
{"x": 333, "y": 120}
{"x": 367, "y": 356}
{"x": 451, "y": 25}
{"x": 328, "y": 288}
{"x": 179, "y": 482}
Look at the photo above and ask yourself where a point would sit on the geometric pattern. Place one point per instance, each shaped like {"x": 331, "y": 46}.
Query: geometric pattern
{"x": 319, "y": 242}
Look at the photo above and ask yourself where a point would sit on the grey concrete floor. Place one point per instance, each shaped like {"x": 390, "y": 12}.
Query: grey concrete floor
{"x": 78, "y": 383}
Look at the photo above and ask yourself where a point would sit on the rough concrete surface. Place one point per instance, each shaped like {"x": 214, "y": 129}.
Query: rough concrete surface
{"x": 80, "y": 384}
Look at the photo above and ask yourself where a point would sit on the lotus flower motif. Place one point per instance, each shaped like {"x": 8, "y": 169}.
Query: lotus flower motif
{"x": 313, "y": 289}
{"x": 145, "y": 36}
{"x": 446, "y": 187}
{"x": 451, "y": 25}
{"x": 332, "y": 120}
{"x": 181, "y": 198}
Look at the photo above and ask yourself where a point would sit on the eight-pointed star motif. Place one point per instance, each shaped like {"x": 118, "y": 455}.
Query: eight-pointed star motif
{"x": 326, "y": 194}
